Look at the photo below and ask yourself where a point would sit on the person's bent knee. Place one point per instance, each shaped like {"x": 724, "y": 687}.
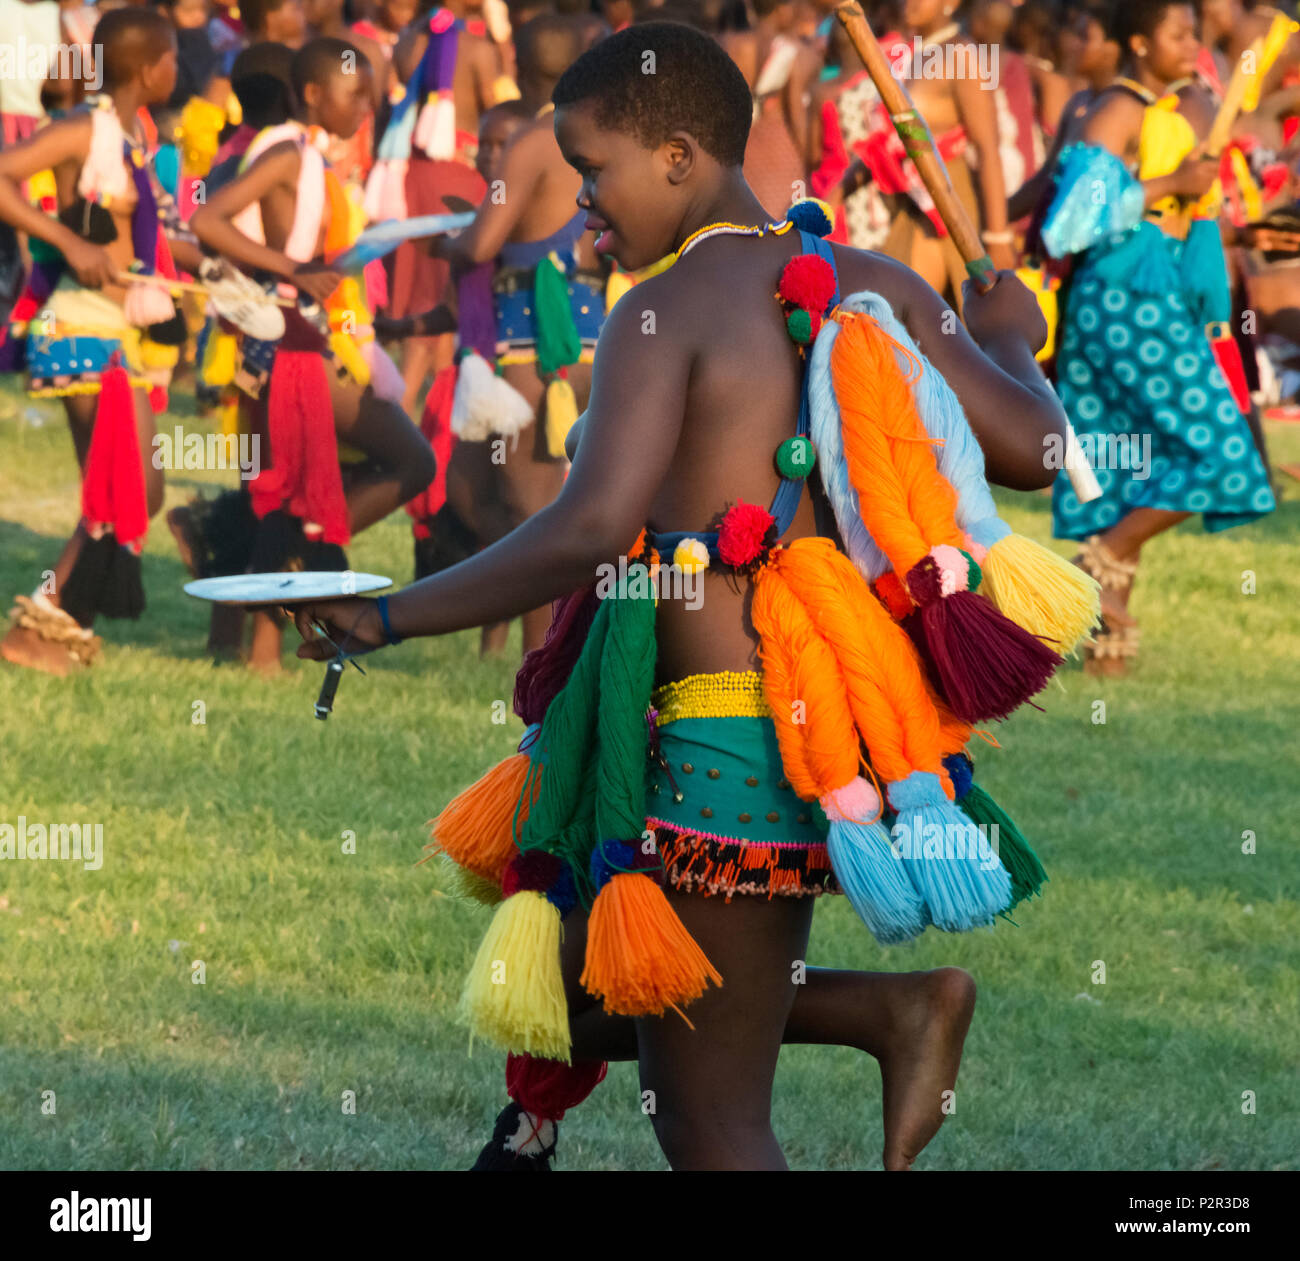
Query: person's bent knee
{"x": 418, "y": 470}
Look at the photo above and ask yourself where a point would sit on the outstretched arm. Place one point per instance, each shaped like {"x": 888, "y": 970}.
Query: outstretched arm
{"x": 631, "y": 426}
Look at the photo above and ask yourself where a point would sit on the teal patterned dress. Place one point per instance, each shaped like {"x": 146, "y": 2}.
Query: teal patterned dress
{"x": 1135, "y": 371}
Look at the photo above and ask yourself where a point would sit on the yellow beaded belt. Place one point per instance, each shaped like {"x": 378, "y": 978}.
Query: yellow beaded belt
{"x": 726, "y": 694}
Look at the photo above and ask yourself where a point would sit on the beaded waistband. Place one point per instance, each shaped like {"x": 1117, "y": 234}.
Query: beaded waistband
{"x": 726, "y": 694}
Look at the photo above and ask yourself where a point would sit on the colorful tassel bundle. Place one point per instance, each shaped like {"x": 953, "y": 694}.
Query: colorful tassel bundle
{"x": 1033, "y": 586}
{"x": 838, "y": 672}
{"x": 582, "y": 841}
{"x": 983, "y": 664}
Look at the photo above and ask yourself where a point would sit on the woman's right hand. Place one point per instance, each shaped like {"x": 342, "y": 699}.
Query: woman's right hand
{"x": 1196, "y": 175}
{"x": 92, "y": 265}
{"x": 316, "y": 280}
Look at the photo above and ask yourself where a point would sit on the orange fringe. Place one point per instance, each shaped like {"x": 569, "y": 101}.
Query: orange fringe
{"x": 640, "y": 958}
{"x": 476, "y": 829}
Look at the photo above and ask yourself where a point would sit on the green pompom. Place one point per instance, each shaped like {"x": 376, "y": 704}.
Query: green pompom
{"x": 799, "y": 325}
{"x": 974, "y": 574}
{"x": 795, "y": 457}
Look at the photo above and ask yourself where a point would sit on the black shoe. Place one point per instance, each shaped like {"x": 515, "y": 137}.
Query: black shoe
{"x": 496, "y": 1157}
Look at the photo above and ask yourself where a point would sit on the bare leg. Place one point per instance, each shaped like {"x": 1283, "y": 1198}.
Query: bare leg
{"x": 422, "y": 358}
{"x": 711, "y": 1086}
{"x": 913, "y": 1023}
{"x": 264, "y": 651}
{"x": 387, "y": 436}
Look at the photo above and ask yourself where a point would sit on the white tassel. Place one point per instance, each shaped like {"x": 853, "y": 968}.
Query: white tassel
{"x": 435, "y": 129}
{"x": 485, "y": 404}
{"x": 385, "y": 196}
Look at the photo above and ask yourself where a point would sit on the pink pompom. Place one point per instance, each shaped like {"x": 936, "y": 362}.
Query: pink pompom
{"x": 953, "y": 570}
{"x": 743, "y": 533}
{"x": 808, "y": 282}
{"x": 856, "y": 802}
{"x": 977, "y": 550}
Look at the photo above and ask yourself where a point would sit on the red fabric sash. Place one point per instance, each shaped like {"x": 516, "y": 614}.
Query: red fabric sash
{"x": 112, "y": 487}
{"x": 436, "y": 427}
{"x": 303, "y": 477}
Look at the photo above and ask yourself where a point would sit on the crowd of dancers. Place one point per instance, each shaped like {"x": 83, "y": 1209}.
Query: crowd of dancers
{"x": 176, "y": 197}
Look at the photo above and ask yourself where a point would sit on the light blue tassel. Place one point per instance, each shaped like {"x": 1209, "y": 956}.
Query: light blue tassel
{"x": 875, "y": 882}
{"x": 960, "y": 893}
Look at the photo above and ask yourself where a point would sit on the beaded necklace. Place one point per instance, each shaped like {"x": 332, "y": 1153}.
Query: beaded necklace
{"x": 729, "y": 229}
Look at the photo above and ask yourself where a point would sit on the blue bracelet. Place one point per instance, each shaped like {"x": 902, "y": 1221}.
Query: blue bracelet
{"x": 382, "y": 602}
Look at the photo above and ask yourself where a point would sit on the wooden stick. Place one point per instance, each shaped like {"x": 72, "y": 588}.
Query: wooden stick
{"x": 915, "y": 134}
{"x": 188, "y": 286}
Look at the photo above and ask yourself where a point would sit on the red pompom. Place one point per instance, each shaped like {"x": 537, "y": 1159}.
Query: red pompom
{"x": 893, "y": 594}
{"x": 808, "y": 281}
{"x": 743, "y": 532}
{"x": 535, "y": 869}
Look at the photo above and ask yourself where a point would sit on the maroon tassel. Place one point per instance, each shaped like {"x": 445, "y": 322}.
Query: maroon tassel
{"x": 547, "y": 1088}
{"x": 982, "y": 663}
{"x": 546, "y": 670}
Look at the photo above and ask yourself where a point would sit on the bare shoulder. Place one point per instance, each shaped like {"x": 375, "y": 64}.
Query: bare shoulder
{"x": 898, "y": 284}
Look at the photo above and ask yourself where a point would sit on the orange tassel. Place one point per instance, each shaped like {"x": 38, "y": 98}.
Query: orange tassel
{"x": 640, "y": 958}
{"x": 476, "y": 829}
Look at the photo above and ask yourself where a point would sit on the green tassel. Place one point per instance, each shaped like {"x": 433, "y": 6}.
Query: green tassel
{"x": 558, "y": 343}
{"x": 1027, "y": 874}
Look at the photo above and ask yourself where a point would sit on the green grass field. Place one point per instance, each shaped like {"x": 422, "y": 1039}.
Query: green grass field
{"x": 329, "y": 972}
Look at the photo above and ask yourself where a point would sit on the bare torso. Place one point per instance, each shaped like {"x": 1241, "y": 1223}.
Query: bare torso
{"x": 742, "y": 402}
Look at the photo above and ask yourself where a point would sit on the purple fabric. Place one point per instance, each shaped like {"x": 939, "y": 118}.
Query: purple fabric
{"x": 144, "y": 219}
{"x": 475, "y": 315}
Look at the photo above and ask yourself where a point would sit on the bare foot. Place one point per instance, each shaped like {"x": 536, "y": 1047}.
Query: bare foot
{"x": 24, "y": 647}
{"x": 919, "y": 1063}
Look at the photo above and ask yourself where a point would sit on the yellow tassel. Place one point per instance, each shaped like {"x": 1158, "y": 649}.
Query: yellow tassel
{"x": 1042, "y": 592}
{"x": 219, "y": 355}
{"x": 1036, "y": 280}
{"x": 476, "y": 828}
{"x": 561, "y": 414}
{"x": 465, "y": 884}
{"x": 640, "y": 958}
{"x": 514, "y": 995}
{"x": 348, "y": 353}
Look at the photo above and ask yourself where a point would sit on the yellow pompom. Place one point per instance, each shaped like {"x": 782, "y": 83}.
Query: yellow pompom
{"x": 514, "y": 995}
{"x": 561, "y": 414}
{"x": 1041, "y": 591}
{"x": 690, "y": 555}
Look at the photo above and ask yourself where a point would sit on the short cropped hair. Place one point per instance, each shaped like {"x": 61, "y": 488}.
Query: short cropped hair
{"x": 659, "y": 77}
{"x": 129, "y": 39}
{"x": 319, "y": 59}
{"x": 262, "y": 79}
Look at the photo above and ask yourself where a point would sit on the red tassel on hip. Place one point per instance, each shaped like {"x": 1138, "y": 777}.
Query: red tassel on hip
{"x": 303, "y": 475}
{"x": 112, "y": 487}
